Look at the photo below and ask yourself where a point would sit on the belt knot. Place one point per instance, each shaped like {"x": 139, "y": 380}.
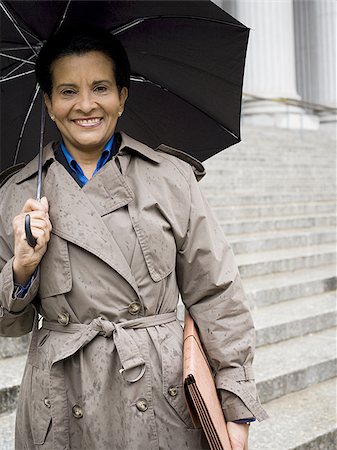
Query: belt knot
{"x": 105, "y": 327}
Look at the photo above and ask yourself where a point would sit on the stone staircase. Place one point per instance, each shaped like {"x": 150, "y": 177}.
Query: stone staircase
{"x": 274, "y": 195}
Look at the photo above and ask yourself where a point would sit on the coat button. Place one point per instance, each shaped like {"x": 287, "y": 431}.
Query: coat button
{"x": 173, "y": 391}
{"x": 77, "y": 412}
{"x": 63, "y": 318}
{"x": 142, "y": 405}
{"x": 134, "y": 308}
{"x": 47, "y": 402}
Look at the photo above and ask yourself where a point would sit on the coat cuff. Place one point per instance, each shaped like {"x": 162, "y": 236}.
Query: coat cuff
{"x": 16, "y": 324}
{"x": 9, "y": 299}
{"x": 239, "y": 398}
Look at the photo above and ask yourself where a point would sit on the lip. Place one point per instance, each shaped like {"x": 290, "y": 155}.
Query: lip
{"x": 88, "y": 122}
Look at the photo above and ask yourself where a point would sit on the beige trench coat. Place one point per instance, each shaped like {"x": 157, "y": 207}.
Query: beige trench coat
{"x": 105, "y": 369}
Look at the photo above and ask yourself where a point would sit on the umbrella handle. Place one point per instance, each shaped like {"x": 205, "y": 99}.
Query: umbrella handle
{"x": 29, "y": 236}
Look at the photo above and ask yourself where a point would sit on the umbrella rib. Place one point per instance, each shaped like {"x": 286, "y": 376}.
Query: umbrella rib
{"x": 128, "y": 25}
{"x": 16, "y": 76}
{"x": 63, "y": 16}
{"x": 17, "y": 59}
{"x": 11, "y": 18}
{"x": 142, "y": 79}
{"x": 12, "y": 49}
{"x": 7, "y": 76}
{"x": 142, "y": 19}
{"x": 37, "y": 88}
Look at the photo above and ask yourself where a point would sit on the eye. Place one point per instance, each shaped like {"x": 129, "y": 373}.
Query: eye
{"x": 68, "y": 92}
{"x": 101, "y": 89}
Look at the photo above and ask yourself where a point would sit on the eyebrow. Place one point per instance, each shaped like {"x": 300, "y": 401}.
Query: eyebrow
{"x": 101, "y": 81}
{"x": 74, "y": 85}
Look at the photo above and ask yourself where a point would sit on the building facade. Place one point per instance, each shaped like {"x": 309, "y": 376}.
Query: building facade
{"x": 290, "y": 77}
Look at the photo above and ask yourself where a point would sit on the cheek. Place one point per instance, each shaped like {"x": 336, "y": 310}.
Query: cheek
{"x": 60, "y": 109}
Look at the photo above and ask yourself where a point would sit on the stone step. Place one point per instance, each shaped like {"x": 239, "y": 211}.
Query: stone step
{"x": 304, "y": 420}
{"x": 277, "y": 223}
{"x": 288, "y": 259}
{"x": 11, "y": 370}
{"x": 14, "y": 346}
{"x": 263, "y": 169}
{"x": 239, "y": 212}
{"x": 275, "y": 288}
{"x": 7, "y": 427}
{"x": 284, "y": 185}
{"x": 294, "y": 318}
{"x": 248, "y": 153}
{"x": 261, "y": 188}
{"x": 287, "y": 181}
{"x": 269, "y": 240}
{"x": 271, "y": 151}
{"x": 295, "y": 364}
{"x": 251, "y": 149}
{"x": 231, "y": 166}
{"x": 224, "y": 198}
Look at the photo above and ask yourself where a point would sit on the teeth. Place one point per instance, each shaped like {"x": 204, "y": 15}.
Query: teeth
{"x": 88, "y": 121}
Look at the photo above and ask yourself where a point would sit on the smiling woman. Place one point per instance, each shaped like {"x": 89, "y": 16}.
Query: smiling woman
{"x": 122, "y": 231}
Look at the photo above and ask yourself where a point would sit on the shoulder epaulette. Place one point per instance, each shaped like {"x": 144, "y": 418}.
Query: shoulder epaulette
{"x": 198, "y": 168}
{"x": 9, "y": 172}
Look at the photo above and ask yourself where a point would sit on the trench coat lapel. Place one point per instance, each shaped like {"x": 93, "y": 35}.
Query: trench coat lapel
{"x": 75, "y": 218}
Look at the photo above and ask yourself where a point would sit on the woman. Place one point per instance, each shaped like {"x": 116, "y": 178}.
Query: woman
{"x": 121, "y": 230}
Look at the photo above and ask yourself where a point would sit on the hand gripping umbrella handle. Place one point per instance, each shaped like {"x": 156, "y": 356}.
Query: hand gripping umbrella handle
{"x": 29, "y": 236}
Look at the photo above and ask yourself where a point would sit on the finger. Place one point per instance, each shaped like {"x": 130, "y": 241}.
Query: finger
{"x": 44, "y": 203}
{"x": 42, "y": 235}
{"x": 42, "y": 238}
{"x": 32, "y": 205}
{"x": 39, "y": 223}
{"x": 43, "y": 224}
{"x": 36, "y": 215}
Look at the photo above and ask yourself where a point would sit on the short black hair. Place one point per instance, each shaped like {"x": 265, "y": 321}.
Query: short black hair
{"x": 78, "y": 40}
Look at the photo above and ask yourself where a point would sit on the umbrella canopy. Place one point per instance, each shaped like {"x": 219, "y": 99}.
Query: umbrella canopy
{"x": 187, "y": 61}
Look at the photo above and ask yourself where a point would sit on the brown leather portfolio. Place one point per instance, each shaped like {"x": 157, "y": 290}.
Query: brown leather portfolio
{"x": 200, "y": 390}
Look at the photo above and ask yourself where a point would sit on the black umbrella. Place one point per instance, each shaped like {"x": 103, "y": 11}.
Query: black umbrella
{"x": 187, "y": 60}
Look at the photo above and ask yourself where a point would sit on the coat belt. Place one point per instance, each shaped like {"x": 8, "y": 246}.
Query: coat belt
{"x": 126, "y": 347}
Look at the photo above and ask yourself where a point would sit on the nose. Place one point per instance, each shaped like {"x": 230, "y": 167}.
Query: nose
{"x": 86, "y": 102}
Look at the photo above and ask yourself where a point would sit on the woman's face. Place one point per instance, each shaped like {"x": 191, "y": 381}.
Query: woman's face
{"x": 85, "y": 100}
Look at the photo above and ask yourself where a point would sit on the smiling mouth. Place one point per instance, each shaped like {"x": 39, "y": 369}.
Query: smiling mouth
{"x": 88, "y": 123}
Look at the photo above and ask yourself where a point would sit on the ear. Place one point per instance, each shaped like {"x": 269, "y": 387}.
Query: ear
{"x": 48, "y": 103}
{"x": 123, "y": 95}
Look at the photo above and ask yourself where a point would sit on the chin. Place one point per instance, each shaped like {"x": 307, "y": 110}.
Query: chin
{"x": 90, "y": 142}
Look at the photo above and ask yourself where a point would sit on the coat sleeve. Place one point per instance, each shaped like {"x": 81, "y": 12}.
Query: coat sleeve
{"x": 211, "y": 289}
{"x": 16, "y": 313}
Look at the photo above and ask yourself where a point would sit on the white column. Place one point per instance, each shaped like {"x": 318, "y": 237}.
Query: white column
{"x": 270, "y": 66}
{"x": 226, "y": 5}
{"x": 315, "y": 36}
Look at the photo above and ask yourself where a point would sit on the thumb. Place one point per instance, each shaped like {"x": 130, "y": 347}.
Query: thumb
{"x": 44, "y": 203}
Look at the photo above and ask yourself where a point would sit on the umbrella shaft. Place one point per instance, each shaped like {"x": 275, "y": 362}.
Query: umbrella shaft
{"x": 39, "y": 175}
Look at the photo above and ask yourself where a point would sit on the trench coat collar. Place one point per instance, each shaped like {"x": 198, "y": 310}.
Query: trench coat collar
{"x": 128, "y": 145}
